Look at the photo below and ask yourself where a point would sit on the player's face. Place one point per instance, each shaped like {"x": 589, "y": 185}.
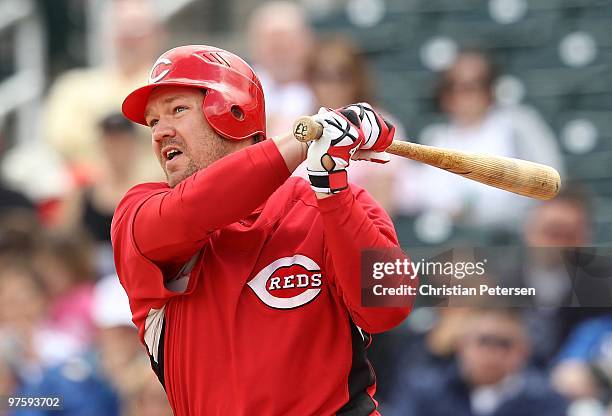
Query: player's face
{"x": 183, "y": 141}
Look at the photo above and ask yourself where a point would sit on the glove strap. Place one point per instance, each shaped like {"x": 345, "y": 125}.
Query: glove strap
{"x": 328, "y": 182}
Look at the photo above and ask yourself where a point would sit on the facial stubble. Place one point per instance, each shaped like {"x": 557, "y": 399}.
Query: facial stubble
{"x": 218, "y": 148}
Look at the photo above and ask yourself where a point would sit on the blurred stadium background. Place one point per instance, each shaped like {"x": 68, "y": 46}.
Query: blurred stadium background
{"x": 58, "y": 60}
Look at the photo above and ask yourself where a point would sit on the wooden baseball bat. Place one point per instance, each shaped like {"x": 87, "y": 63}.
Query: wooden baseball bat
{"x": 515, "y": 175}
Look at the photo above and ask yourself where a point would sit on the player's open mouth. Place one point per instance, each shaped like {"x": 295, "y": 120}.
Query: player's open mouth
{"x": 170, "y": 153}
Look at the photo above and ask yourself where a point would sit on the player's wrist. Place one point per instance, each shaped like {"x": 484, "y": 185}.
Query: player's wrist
{"x": 292, "y": 151}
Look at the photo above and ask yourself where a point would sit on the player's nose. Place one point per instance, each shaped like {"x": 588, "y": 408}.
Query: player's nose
{"x": 163, "y": 130}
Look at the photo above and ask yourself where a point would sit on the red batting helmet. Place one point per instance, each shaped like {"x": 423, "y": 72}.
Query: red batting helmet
{"x": 234, "y": 100}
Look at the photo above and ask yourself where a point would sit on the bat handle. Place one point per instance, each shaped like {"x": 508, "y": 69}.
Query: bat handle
{"x": 306, "y": 129}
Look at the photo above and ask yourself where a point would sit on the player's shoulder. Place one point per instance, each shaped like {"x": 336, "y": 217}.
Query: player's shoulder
{"x": 137, "y": 195}
{"x": 144, "y": 190}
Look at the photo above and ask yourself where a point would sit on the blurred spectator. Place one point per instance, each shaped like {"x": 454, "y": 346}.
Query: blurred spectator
{"x": 36, "y": 171}
{"x": 280, "y": 39}
{"x": 490, "y": 376}
{"x": 426, "y": 343}
{"x": 66, "y": 266}
{"x": 83, "y": 392}
{"x": 28, "y": 342}
{"x": 98, "y": 382}
{"x": 32, "y": 178}
{"x": 81, "y": 97}
{"x": 93, "y": 205}
{"x": 584, "y": 365}
{"x": 19, "y": 232}
{"x": 338, "y": 74}
{"x": 565, "y": 221}
{"x": 477, "y": 124}
{"x": 146, "y": 396}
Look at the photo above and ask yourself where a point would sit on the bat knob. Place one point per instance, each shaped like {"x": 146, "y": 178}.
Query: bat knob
{"x": 306, "y": 129}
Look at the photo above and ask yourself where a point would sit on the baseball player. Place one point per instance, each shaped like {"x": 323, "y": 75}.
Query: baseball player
{"x": 244, "y": 282}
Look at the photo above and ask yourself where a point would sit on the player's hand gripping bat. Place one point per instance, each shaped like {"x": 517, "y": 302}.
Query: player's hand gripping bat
{"x": 515, "y": 175}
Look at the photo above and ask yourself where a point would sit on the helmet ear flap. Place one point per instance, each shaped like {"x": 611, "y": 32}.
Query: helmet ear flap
{"x": 233, "y": 119}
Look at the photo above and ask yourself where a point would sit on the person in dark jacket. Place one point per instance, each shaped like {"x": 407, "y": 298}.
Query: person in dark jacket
{"x": 488, "y": 378}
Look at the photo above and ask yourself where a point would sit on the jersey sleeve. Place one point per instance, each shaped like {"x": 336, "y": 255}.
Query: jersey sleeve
{"x": 172, "y": 225}
{"x": 158, "y": 232}
{"x": 352, "y": 222}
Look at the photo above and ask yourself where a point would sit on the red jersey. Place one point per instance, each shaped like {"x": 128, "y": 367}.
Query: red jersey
{"x": 246, "y": 289}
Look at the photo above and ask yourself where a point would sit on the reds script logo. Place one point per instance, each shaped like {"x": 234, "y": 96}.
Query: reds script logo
{"x": 288, "y": 283}
{"x": 160, "y": 69}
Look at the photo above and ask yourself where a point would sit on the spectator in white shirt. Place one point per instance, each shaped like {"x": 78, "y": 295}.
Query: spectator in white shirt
{"x": 477, "y": 124}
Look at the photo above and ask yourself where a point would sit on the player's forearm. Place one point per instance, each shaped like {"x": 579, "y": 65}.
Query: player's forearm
{"x": 292, "y": 151}
{"x": 348, "y": 230}
{"x": 176, "y": 223}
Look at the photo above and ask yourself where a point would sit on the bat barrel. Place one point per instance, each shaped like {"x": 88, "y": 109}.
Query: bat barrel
{"x": 518, "y": 176}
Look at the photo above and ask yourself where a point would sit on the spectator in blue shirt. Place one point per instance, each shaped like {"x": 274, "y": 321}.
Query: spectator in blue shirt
{"x": 583, "y": 367}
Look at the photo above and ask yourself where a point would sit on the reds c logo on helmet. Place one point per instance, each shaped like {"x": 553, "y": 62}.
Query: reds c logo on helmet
{"x": 160, "y": 69}
{"x": 288, "y": 283}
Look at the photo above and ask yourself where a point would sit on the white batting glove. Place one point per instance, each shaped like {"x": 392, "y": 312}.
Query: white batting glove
{"x": 329, "y": 156}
